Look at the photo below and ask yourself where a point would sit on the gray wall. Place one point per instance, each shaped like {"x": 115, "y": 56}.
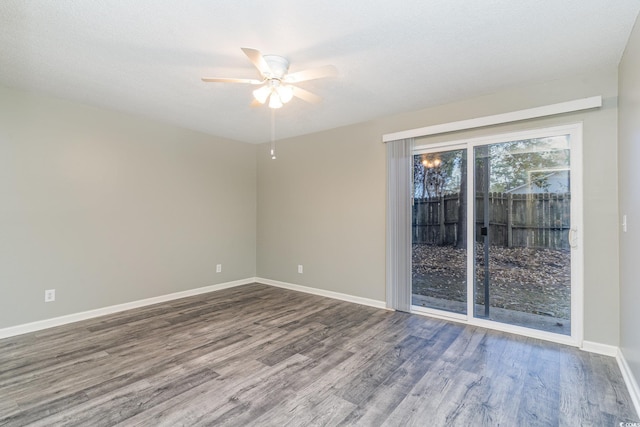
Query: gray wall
{"x": 108, "y": 208}
{"x": 629, "y": 180}
{"x": 322, "y": 202}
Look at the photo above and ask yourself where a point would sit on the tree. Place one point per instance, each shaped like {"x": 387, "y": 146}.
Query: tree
{"x": 515, "y": 163}
{"x": 436, "y": 174}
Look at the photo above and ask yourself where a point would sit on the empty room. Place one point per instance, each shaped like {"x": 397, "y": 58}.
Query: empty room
{"x": 364, "y": 213}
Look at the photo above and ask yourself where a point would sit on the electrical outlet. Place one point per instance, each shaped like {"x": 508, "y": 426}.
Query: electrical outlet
{"x": 49, "y": 295}
{"x": 624, "y": 223}
{"x": 219, "y": 268}
{"x": 300, "y": 268}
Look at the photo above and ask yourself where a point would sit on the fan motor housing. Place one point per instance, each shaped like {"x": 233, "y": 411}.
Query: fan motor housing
{"x": 278, "y": 64}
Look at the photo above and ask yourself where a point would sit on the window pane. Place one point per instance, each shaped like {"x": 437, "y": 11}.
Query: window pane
{"x": 522, "y": 253}
{"x": 439, "y": 236}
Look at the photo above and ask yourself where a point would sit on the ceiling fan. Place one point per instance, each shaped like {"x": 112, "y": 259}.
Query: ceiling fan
{"x": 276, "y": 84}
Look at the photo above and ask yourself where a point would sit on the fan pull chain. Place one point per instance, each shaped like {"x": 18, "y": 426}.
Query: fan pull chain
{"x": 273, "y": 134}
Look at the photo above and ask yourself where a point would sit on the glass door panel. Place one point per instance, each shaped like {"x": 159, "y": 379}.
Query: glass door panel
{"x": 439, "y": 231}
{"x": 522, "y": 255}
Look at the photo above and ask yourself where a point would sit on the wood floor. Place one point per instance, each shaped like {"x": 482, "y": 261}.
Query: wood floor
{"x": 263, "y": 356}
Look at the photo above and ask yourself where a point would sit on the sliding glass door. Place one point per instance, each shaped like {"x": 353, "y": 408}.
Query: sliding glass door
{"x": 522, "y": 254}
{"x": 495, "y": 230}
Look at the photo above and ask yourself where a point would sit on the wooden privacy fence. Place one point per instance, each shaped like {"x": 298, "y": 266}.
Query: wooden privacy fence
{"x": 516, "y": 220}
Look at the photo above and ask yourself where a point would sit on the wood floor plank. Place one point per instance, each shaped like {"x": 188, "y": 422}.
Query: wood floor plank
{"x": 540, "y": 401}
{"x": 130, "y": 400}
{"x": 188, "y": 407}
{"x": 328, "y": 412}
{"x": 282, "y": 387}
{"x": 576, "y": 402}
{"x": 612, "y": 391}
{"x": 376, "y": 371}
{"x": 433, "y": 398}
{"x": 264, "y": 356}
{"x": 248, "y": 393}
{"x": 375, "y": 409}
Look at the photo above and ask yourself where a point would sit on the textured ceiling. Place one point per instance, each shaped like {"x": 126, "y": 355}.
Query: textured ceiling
{"x": 147, "y": 56}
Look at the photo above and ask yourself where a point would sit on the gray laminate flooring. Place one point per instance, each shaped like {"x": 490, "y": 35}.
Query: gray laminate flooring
{"x": 263, "y": 356}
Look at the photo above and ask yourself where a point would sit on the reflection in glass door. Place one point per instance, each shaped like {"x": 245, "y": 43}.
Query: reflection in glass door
{"x": 439, "y": 231}
{"x": 522, "y": 253}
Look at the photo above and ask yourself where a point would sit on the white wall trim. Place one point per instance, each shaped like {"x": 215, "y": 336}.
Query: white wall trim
{"x": 629, "y": 380}
{"x": 598, "y": 348}
{"x": 514, "y": 116}
{"x": 324, "y": 293}
{"x": 90, "y": 314}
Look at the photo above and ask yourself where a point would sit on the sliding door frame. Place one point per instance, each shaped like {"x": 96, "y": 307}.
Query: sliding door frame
{"x": 576, "y": 232}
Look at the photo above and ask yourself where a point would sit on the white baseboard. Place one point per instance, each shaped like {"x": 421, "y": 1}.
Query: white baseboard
{"x": 90, "y": 314}
{"x": 629, "y": 380}
{"x": 323, "y": 293}
{"x": 596, "y": 347}
{"x": 70, "y": 318}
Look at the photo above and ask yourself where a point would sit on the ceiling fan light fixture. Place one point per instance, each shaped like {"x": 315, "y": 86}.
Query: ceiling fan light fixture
{"x": 276, "y": 86}
{"x": 261, "y": 94}
{"x": 285, "y": 93}
{"x": 275, "y": 101}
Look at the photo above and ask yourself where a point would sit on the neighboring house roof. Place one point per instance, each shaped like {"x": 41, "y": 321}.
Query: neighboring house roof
{"x": 554, "y": 182}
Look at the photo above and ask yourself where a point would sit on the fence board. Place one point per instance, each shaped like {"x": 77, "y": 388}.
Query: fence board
{"x": 516, "y": 220}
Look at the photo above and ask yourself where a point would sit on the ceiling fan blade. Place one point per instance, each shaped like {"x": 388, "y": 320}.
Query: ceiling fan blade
{"x": 229, "y": 80}
{"x": 256, "y": 57}
{"x": 305, "y": 95}
{"x": 314, "y": 73}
